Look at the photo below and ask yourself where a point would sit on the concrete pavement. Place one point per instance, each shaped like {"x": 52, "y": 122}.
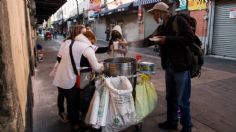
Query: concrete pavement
{"x": 213, "y": 99}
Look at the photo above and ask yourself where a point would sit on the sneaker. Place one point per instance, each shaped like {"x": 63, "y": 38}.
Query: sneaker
{"x": 169, "y": 126}
{"x": 63, "y": 117}
{"x": 184, "y": 129}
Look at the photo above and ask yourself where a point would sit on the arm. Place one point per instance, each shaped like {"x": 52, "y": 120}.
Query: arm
{"x": 123, "y": 42}
{"x": 146, "y": 42}
{"x": 90, "y": 55}
{"x": 102, "y": 50}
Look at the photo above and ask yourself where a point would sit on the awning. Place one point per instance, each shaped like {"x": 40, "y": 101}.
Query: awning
{"x": 123, "y": 7}
{"x": 107, "y": 12}
{"x": 120, "y": 8}
{"x": 45, "y": 8}
{"x": 145, "y": 2}
{"x": 95, "y": 15}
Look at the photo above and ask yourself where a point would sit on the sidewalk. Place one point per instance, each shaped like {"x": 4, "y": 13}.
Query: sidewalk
{"x": 213, "y": 99}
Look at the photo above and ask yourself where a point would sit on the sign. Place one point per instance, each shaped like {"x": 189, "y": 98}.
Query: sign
{"x": 182, "y": 5}
{"x": 232, "y": 13}
{"x": 95, "y": 5}
{"x": 115, "y": 3}
{"x": 197, "y": 4}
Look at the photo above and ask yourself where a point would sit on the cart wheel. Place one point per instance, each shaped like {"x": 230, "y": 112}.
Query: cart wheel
{"x": 138, "y": 127}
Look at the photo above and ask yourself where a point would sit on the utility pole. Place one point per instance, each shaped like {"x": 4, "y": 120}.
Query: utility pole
{"x": 77, "y": 8}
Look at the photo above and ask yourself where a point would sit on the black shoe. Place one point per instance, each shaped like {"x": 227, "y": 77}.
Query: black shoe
{"x": 184, "y": 129}
{"x": 169, "y": 126}
{"x": 85, "y": 129}
{"x": 75, "y": 130}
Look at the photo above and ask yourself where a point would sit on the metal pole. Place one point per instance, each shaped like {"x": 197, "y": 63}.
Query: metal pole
{"x": 210, "y": 30}
{"x": 77, "y": 8}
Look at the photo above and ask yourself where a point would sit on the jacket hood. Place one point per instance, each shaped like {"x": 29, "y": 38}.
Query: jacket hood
{"x": 83, "y": 39}
{"x": 118, "y": 28}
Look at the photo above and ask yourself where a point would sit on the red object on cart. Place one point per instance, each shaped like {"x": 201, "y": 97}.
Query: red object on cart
{"x": 48, "y": 35}
{"x": 138, "y": 57}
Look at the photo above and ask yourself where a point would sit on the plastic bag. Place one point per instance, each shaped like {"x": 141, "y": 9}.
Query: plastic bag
{"x": 145, "y": 97}
{"x": 97, "y": 112}
{"x": 121, "y": 110}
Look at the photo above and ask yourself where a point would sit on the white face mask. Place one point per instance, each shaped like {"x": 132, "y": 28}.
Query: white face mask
{"x": 160, "y": 21}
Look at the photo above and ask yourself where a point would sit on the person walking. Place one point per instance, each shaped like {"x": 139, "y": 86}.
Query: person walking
{"x": 65, "y": 77}
{"x": 107, "y": 32}
{"x": 176, "y": 65}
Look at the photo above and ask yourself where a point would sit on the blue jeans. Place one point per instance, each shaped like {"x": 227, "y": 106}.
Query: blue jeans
{"x": 178, "y": 91}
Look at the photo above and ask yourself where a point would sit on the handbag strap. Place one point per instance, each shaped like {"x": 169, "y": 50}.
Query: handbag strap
{"x": 72, "y": 58}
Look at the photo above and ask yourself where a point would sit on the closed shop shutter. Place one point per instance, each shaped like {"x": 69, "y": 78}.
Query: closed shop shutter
{"x": 224, "y": 35}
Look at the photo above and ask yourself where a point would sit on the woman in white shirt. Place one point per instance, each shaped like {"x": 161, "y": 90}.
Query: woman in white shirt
{"x": 61, "y": 96}
{"x": 65, "y": 77}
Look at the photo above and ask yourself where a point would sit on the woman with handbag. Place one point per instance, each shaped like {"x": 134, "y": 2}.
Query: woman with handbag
{"x": 60, "y": 98}
{"x": 73, "y": 52}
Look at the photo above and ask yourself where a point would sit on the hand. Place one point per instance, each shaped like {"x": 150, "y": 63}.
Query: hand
{"x": 162, "y": 40}
{"x": 159, "y": 39}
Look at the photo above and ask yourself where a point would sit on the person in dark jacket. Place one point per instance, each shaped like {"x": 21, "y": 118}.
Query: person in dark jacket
{"x": 175, "y": 63}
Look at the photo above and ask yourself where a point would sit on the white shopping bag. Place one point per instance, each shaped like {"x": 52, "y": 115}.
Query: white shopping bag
{"x": 97, "y": 113}
{"x": 121, "y": 110}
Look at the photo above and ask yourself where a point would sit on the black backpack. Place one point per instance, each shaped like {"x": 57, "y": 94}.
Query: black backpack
{"x": 195, "y": 54}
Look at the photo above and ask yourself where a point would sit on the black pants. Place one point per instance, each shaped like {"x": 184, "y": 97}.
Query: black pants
{"x": 60, "y": 100}
{"x": 72, "y": 104}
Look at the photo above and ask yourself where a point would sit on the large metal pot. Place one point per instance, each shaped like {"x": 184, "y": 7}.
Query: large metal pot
{"x": 121, "y": 66}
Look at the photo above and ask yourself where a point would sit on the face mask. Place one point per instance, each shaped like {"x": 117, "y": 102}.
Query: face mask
{"x": 160, "y": 21}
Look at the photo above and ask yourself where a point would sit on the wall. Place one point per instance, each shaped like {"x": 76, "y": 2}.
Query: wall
{"x": 201, "y": 22}
{"x": 201, "y": 30}
{"x": 149, "y": 23}
{"x": 130, "y": 27}
{"x": 99, "y": 28}
{"x": 15, "y": 57}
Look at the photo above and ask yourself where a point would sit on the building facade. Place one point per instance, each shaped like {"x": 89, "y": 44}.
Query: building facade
{"x": 222, "y": 29}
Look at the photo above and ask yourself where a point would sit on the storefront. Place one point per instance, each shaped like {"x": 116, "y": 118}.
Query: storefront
{"x": 223, "y": 42}
{"x": 124, "y": 15}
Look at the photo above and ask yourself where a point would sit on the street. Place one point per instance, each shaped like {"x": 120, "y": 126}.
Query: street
{"x": 213, "y": 95}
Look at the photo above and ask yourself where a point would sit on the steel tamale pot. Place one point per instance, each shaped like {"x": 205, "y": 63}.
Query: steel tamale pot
{"x": 121, "y": 66}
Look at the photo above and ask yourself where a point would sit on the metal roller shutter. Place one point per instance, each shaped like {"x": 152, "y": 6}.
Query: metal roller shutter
{"x": 224, "y": 36}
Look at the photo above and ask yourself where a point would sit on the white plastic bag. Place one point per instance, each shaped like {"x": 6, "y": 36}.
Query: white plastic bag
{"x": 121, "y": 110}
{"x": 97, "y": 113}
